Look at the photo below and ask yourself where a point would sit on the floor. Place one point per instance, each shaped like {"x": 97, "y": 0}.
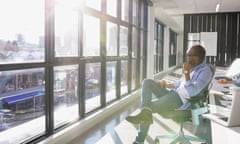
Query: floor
{"x": 116, "y": 130}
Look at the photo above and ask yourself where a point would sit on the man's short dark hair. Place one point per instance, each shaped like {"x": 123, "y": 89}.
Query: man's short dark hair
{"x": 200, "y": 51}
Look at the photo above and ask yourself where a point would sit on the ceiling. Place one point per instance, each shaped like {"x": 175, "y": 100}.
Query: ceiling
{"x": 176, "y": 8}
{"x": 197, "y": 6}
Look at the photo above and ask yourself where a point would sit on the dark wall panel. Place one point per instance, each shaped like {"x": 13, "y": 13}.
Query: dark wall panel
{"x": 227, "y": 26}
{"x": 238, "y": 38}
{"x": 232, "y": 35}
{"x": 204, "y": 26}
{"x": 221, "y": 39}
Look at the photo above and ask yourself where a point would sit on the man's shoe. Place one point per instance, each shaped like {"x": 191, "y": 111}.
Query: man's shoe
{"x": 136, "y": 142}
{"x": 144, "y": 117}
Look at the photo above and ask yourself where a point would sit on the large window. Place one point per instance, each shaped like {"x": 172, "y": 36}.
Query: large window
{"x": 22, "y": 104}
{"x": 172, "y": 48}
{"x": 112, "y": 39}
{"x": 111, "y": 91}
{"x": 112, "y": 7}
{"x": 125, "y": 10}
{"x": 134, "y": 74}
{"x": 22, "y": 88}
{"x": 92, "y": 86}
{"x": 63, "y": 60}
{"x": 22, "y": 31}
{"x": 158, "y": 46}
{"x": 124, "y": 77}
{"x": 123, "y": 41}
{"x": 66, "y": 31}
{"x": 95, "y": 4}
{"x": 65, "y": 94}
{"x": 135, "y": 12}
{"x": 91, "y": 36}
{"x": 134, "y": 54}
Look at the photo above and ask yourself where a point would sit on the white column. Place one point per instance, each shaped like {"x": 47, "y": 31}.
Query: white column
{"x": 150, "y": 43}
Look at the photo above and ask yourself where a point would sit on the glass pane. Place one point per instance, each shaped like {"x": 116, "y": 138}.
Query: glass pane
{"x": 159, "y": 34}
{"x": 22, "y": 31}
{"x": 141, "y": 71}
{"x": 112, "y": 7}
{"x": 111, "y": 81}
{"x": 91, "y": 36}
{"x": 22, "y": 104}
{"x": 65, "y": 94}
{"x": 134, "y": 74}
{"x": 125, "y": 10}
{"x": 66, "y": 31}
{"x": 143, "y": 18}
{"x": 92, "y": 86}
{"x": 123, "y": 41}
{"x": 111, "y": 39}
{"x": 95, "y": 4}
{"x": 143, "y": 44}
{"x": 134, "y": 42}
{"x": 124, "y": 77}
{"x": 155, "y": 47}
{"x": 134, "y": 12}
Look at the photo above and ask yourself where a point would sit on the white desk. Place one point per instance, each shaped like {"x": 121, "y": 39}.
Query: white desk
{"x": 222, "y": 134}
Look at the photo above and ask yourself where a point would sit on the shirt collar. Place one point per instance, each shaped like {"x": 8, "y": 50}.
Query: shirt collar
{"x": 200, "y": 66}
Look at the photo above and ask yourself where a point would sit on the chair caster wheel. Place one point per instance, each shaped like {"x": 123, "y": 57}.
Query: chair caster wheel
{"x": 157, "y": 141}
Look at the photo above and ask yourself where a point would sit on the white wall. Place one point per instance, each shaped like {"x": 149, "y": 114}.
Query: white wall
{"x": 166, "y": 48}
{"x": 150, "y": 45}
{"x": 180, "y": 49}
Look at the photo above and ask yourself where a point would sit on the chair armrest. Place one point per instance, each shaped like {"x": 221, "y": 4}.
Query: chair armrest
{"x": 195, "y": 99}
{"x": 191, "y": 102}
{"x": 196, "y": 113}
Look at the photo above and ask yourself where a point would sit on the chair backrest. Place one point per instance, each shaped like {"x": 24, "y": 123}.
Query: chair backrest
{"x": 213, "y": 69}
{"x": 202, "y": 98}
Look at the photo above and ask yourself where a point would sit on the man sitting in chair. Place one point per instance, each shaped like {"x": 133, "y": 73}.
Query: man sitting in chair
{"x": 196, "y": 76}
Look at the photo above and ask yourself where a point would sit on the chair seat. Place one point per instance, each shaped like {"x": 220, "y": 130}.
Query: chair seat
{"x": 178, "y": 115}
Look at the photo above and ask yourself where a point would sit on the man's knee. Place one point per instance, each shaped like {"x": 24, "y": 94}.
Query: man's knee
{"x": 148, "y": 82}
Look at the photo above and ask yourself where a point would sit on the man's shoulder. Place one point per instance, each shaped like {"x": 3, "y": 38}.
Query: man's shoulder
{"x": 202, "y": 66}
{"x": 205, "y": 68}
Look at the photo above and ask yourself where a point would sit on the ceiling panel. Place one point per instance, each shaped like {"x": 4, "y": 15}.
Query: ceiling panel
{"x": 207, "y": 6}
{"x": 198, "y": 6}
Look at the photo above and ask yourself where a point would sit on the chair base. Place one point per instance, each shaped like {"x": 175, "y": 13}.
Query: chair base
{"x": 180, "y": 138}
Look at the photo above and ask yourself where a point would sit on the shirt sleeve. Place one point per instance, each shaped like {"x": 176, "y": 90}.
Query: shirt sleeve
{"x": 177, "y": 83}
{"x": 199, "y": 80}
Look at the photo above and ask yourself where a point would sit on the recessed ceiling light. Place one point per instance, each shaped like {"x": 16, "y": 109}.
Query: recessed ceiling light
{"x": 217, "y": 7}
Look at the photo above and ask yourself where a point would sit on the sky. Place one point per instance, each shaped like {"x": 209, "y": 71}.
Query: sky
{"x": 22, "y": 17}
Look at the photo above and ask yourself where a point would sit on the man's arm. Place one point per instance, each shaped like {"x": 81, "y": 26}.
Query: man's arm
{"x": 164, "y": 84}
{"x": 187, "y": 68}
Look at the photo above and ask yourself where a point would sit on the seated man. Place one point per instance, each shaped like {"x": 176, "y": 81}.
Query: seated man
{"x": 196, "y": 76}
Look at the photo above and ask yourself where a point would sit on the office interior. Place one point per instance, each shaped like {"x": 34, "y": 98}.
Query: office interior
{"x": 71, "y": 70}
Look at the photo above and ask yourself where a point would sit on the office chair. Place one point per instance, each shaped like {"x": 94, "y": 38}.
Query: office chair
{"x": 190, "y": 111}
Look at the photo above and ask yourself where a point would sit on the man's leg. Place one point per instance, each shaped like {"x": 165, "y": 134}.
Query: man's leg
{"x": 151, "y": 87}
{"x": 142, "y": 133}
{"x": 168, "y": 102}
{"x": 145, "y": 116}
